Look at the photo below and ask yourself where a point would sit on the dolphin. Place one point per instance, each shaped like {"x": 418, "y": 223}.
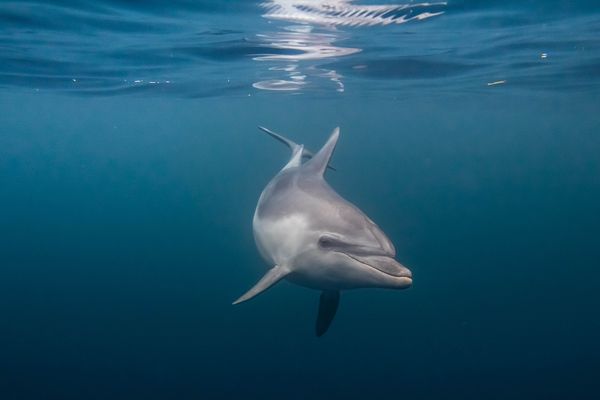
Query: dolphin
{"x": 314, "y": 238}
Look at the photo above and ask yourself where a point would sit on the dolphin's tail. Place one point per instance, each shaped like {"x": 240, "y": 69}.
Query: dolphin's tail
{"x": 294, "y": 147}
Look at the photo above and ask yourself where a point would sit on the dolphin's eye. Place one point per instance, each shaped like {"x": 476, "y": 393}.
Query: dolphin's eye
{"x": 326, "y": 242}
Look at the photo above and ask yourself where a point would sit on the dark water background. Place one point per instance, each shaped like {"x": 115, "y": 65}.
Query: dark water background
{"x": 125, "y": 207}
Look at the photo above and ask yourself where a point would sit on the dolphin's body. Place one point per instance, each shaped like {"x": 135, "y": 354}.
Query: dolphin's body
{"x": 314, "y": 238}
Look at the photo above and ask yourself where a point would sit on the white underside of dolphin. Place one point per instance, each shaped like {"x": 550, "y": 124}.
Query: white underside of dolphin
{"x": 311, "y": 236}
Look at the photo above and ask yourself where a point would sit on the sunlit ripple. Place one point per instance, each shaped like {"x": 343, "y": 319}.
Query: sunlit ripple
{"x": 308, "y": 45}
{"x": 344, "y": 13}
{"x": 314, "y": 36}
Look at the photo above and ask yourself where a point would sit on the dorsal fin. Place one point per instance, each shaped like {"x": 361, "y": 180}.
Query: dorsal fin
{"x": 296, "y": 159}
{"x": 320, "y": 161}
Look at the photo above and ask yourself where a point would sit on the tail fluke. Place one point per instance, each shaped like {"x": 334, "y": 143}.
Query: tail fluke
{"x": 289, "y": 143}
{"x": 293, "y": 146}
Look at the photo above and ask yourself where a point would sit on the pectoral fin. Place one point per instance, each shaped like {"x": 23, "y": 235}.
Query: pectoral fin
{"x": 272, "y": 276}
{"x": 328, "y": 305}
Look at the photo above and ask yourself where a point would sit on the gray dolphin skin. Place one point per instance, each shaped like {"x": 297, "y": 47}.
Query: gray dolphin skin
{"x": 313, "y": 237}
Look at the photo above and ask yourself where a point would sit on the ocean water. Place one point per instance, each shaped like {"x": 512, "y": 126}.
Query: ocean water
{"x": 130, "y": 166}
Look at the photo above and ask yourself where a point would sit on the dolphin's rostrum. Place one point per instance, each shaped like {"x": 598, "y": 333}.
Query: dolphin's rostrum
{"x": 315, "y": 238}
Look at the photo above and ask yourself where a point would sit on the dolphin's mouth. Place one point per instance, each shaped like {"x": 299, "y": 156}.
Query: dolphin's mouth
{"x": 386, "y": 265}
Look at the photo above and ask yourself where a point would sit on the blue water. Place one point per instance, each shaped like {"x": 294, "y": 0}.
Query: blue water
{"x": 130, "y": 166}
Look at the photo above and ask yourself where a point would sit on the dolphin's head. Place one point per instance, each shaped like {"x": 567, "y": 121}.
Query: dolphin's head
{"x": 361, "y": 264}
{"x": 356, "y": 250}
